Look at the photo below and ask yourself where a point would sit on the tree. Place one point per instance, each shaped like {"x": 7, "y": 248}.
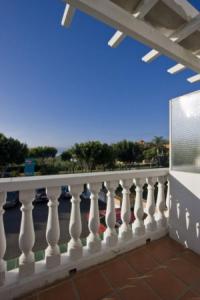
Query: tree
{"x": 159, "y": 151}
{"x": 106, "y": 156}
{"x": 66, "y": 155}
{"x": 159, "y": 141}
{"x": 17, "y": 151}
{"x": 3, "y": 150}
{"x": 93, "y": 153}
{"x": 150, "y": 153}
{"x": 12, "y": 151}
{"x": 43, "y": 152}
{"x": 128, "y": 151}
{"x": 87, "y": 153}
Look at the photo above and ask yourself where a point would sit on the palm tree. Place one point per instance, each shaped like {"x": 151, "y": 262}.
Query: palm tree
{"x": 159, "y": 142}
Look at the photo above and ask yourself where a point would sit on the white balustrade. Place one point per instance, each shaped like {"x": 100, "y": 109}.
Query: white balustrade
{"x": 75, "y": 248}
{"x": 110, "y": 235}
{"x": 52, "y": 252}
{"x": 57, "y": 265}
{"x": 125, "y": 230}
{"x": 2, "y": 240}
{"x": 27, "y": 235}
{"x": 93, "y": 240}
{"x": 150, "y": 221}
{"x": 161, "y": 206}
{"x": 138, "y": 224}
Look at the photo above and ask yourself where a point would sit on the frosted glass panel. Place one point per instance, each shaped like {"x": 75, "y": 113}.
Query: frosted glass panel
{"x": 185, "y": 133}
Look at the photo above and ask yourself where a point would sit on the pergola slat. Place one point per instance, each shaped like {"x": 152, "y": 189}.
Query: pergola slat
{"x": 176, "y": 69}
{"x": 68, "y": 15}
{"x": 117, "y": 17}
{"x": 141, "y": 11}
{"x": 194, "y": 78}
{"x": 179, "y": 67}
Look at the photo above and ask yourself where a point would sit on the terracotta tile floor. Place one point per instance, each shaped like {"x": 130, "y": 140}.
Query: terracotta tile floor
{"x": 162, "y": 269}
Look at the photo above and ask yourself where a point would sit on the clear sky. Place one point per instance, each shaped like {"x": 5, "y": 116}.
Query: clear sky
{"x": 60, "y": 86}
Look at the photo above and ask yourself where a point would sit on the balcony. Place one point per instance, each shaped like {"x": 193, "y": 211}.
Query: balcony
{"x": 149, "y": 255}
{"x": 150, "y": 223}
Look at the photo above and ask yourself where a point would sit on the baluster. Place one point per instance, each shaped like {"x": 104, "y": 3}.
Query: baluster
{"x": 168, "y": 204}
{"x": 150, "y": 222}
{"x": 75, "y": 250}
{"x": 138, "y": 225}
{"x": 110, "y": 235}
{"x": 52, "y": 252}
{"x": 162, "y": 222}
{"x": 125, "y": 230}
{"x": 2, "y": 240}
{"x": 93, "y": 240}
{"x": 27, "y": 235}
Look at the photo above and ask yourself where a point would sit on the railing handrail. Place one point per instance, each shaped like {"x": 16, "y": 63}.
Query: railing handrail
{"x": 35, "y": 182}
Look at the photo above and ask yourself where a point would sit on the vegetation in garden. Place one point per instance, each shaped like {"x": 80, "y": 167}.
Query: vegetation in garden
{"x": 83, "y": 157}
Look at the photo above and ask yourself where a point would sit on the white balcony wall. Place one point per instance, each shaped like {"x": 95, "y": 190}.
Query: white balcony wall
{"x": 184, "y": 216}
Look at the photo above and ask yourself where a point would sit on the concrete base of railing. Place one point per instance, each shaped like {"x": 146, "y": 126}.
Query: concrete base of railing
{"x": 16, "y": 287}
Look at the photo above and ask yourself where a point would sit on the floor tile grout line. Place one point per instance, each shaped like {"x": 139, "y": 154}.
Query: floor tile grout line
{"x": 110, "y": 284}
{"x": 113, "y": 293}
{"x": 178, "y": 297}
{"x": 180, "y": 279}
{"x": 188, "y": 260}
{"x": 188, "y": 287}
{"x": 147, "y": 273}
{"x": 75, "y": 290}
{"x": 144, "y": 281}
{"x": 160, "y": 262}
{"x": 184, "y": 293}
{"x": 155, "y": 261}
{"x": 178, "y": 254}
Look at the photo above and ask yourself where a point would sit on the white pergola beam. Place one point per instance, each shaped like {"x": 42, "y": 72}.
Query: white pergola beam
{"x": 141, "y": 11}
{"x": 144, "y": 8}
{"x": 186, "y": 30}
{"x": 176, "y": 69}
{"x": 113, "y": 15}
{"x": 178, "y": 36}
{"x": 194, "y": 78}
{"x": 68, "y": 15}
{"x": 179, "y": 6}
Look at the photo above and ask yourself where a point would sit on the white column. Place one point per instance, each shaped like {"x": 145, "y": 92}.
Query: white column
{"x": 161, "y": 220}
{"x": 125, "y": 230}
{"x": 110, "y": 235}
{"x": 138, "y": 225}
{"x": 27, "y": 235}
{"x": 2, "y": 239}
{"x": 75, "y": 250}
{"x": 52, "y": 252}
{"x": 93, "y": 240}
{"x": 150, "y": 222}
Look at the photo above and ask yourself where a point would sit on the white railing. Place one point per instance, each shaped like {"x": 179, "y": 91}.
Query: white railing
{"x": 31, "y": 274}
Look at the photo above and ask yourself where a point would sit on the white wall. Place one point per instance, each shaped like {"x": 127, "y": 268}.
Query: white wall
{"x": 184, "y": 219}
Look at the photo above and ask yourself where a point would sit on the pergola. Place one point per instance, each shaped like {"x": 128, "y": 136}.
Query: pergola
{"x": 169, "y": 27}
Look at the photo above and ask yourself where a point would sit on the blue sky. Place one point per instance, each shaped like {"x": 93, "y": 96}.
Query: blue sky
{"x": 60, "y": 86}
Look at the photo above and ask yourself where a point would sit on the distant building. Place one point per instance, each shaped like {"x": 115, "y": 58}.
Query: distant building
{"x": 141, "y": 142}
